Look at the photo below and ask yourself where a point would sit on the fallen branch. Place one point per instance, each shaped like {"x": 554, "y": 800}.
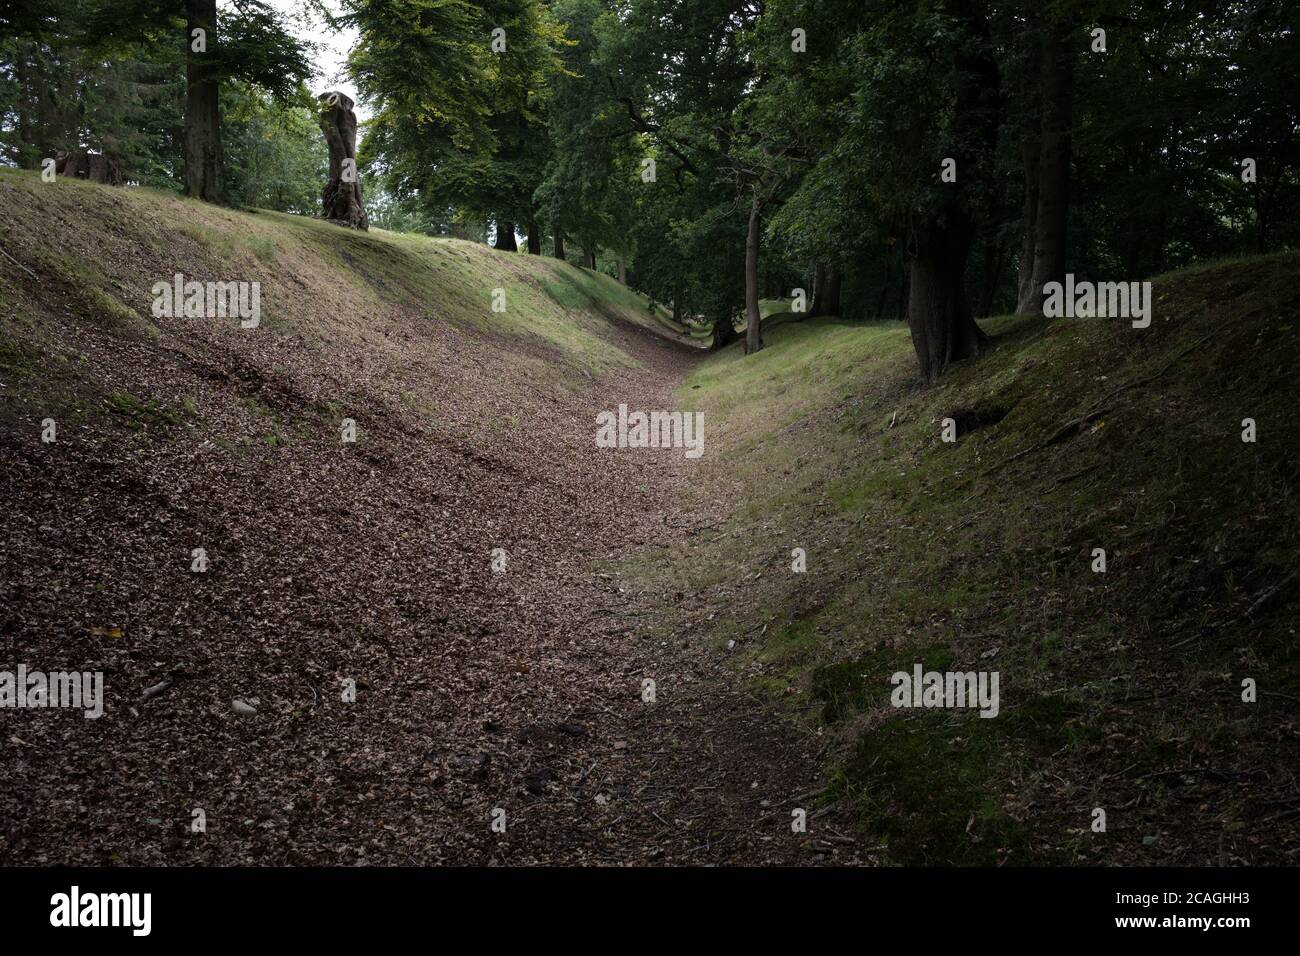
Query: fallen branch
{"x": 19, "y": 264}
{"x": 1275, "y": 693}
{"x": 1267, "y": 596}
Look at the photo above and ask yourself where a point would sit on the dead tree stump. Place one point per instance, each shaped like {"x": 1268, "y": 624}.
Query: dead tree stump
{"x": 95, "y": 167}
{"x": 341, "y": 197}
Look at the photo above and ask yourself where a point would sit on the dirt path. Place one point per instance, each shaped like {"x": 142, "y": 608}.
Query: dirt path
{"x": 705, "y": 774}
{"x": 333, "y": 565}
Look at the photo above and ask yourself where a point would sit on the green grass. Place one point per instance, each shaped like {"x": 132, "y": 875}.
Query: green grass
{"x": 18, "y": 360}
{"x": 322, "y": 285}
{"x": 143, "y": 413}
{"x": 560, "y": 306}
{"x": 980, "y": 552}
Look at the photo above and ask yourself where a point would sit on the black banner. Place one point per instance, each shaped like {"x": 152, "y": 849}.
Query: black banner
{"x": 365, "y": 905}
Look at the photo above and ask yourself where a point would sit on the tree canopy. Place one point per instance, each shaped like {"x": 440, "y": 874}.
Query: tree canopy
{"x": 936, "y": 161}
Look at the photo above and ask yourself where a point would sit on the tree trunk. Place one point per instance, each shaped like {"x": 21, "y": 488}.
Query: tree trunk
{"x": 622, "y": 271}
{"x": 1054, "y": 166}
{"x": 819, "y": 290}
{"x": 95, "y": 167}
{"x": 884, "y": 285}
{"x": 505, "y": 240}
{"x": 938, "y": 312}
{"x": 992, "y": 272}
{"x": 724, "y": 332}
{"x": 1027, "y": 299}
{"x": 534, "y": 238}
{"x": 27, "y": 156}
{"x": 557, "y": 238}
{"x": 203, "y": 158}
{"x": 589, "y": 257}
{"x": 831, "y": 298}
{"x": 753, "y": 320}
{"x": 341, "y": 197}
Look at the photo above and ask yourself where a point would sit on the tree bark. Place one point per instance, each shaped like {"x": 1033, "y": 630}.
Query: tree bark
{"x": 819, "y": 291}
{"x": 1054, "y": 166}
{"x": 622, "y": 271}
{"x": 724, "y": 332}
{"x": 27, "y": 155}
{"x": 753, "y": 319}
{"x": 557, "y": 238}
{"x": 590, "y": 256}
{"x": 938, "y": 313}
{"x": 95, "y": 167}
{"x": 992, "y": 272}
{"x": 341, "y": 197}
{"x": 534, "y": 238}
{"x": 505, "y": 240}
{"x": 831, "y": 298}
{"x": 203, "y": 155}
{"x": 1027, "y": 300}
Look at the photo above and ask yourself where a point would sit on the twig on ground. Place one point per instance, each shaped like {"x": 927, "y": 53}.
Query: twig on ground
{"x": 19, "y": 264}
{"x": 156, "y": 689}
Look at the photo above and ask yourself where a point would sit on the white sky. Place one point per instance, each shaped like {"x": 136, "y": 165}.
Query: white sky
{"x": 334, "y": 46}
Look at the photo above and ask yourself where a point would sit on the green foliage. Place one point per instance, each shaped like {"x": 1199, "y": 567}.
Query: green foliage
{"x": 110, "y": 78}
{"x": 276, "y": 157}
{"x": 589, "y": 190}
{"x": 457, "y": 123}
{"x": 840, "y": 140}
{"x": 59, "y": 94}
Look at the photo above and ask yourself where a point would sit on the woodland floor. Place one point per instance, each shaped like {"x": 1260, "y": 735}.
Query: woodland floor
{"x": 371, "y": 562}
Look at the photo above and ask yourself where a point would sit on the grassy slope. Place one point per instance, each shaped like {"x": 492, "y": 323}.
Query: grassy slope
{"x": 97, "y": 252}
{"x": 959, "y": 555}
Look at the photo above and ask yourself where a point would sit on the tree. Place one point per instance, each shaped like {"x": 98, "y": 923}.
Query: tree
{"x": 248, "y": 43}
{"x": 1047, "y": 155}
{"x": 592, "y": 175}
{"x": 924, "y": 119}
{"x": 58, "y": 96}
{"x": 678, "y": 72}
{"x": 459, "y": 92}
{"x": 275, "y": 157}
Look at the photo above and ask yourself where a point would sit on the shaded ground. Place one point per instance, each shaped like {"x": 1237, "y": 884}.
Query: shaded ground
{"x": 1123, "y": 690}
{"x": 366, "y": 562}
